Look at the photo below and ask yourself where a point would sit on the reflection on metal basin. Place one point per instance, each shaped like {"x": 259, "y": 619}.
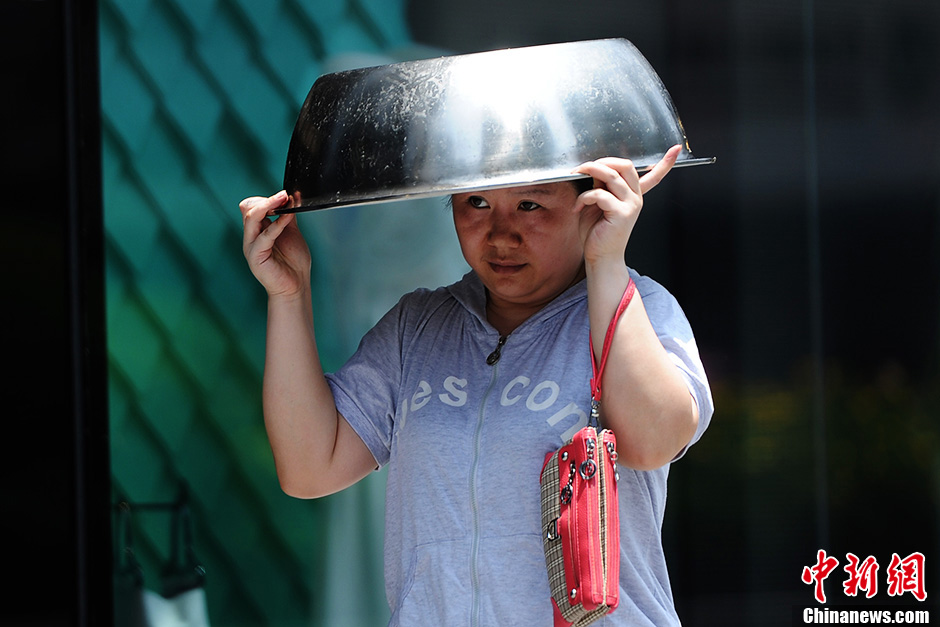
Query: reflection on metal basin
{"x": 465, "y": 122}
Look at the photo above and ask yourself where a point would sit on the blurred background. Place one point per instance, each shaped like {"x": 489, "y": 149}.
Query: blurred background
{"x": 807, "y": 260}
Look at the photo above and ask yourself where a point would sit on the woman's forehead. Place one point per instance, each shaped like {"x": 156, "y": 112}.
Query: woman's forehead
{"x": 541, "y": 189}
{"x": 556, "y": 188}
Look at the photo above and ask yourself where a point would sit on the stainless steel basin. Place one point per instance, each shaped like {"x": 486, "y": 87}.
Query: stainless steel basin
{"x": 475, "y": 121}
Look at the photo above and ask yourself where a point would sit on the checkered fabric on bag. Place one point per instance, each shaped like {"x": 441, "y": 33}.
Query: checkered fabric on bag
{"x": 581, "y": 528}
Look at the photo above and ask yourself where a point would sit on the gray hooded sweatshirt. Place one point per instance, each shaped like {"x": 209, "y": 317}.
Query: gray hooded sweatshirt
{"x": 465, "y": 440}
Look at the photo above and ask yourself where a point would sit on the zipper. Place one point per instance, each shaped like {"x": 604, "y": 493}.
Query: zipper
{"x": 611, "y": 478}
{"x": 497, "y": 353}
{"x": 491, "y": 360}
{"x": 592, "y": 450}
{"x": 602, "y": 529}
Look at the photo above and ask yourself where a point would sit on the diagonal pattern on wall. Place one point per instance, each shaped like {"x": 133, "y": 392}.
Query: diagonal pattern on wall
{"x": 198, "y": 101}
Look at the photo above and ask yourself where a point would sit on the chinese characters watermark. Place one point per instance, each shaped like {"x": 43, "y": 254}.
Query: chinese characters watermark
{"x": 903, "y": 575}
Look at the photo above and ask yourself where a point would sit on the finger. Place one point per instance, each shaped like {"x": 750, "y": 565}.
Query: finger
{"x": 254, "y": 217}
{"x": 262, "y": 248}
{"x": 273, "y": 230}
{"x": 267, "y": 235}
{"x": 605, "y": 202}
{"x": 269, "y": 204}
{"x": 295, "y": 199}
{"x": 245, "y": 205}
{"x": 617, "y": 175}
{"x": 255, "y": 208}
{"x": 659, "y": 171}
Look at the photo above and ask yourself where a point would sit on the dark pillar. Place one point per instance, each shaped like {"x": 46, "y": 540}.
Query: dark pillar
{"x": 55, "y": 499}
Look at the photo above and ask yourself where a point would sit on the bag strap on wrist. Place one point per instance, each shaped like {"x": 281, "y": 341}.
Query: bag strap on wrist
{"x": 598, "y": 371}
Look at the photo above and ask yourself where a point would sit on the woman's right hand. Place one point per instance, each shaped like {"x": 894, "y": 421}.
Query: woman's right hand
{"x": 316, "y": 452}
{"x": 275, "y": 248}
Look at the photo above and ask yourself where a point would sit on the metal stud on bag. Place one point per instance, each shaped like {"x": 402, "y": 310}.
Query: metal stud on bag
{"x": 588, "y": 467}
{"x": 551, "y": 531}
{"x": 567, "y": 492}
{"x": 612, "y": 453}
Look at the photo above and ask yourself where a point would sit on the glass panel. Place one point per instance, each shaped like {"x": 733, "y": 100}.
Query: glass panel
{"x": 807, "y": 260}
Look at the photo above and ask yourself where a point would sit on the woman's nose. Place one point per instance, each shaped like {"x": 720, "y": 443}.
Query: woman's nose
{"x": 503, "y": 229}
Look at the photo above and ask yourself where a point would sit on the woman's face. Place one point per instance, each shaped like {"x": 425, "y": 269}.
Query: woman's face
{"x": 523, "y": 242}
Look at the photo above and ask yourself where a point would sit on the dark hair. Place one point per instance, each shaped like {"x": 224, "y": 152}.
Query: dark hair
{"x": 583, "y": 184}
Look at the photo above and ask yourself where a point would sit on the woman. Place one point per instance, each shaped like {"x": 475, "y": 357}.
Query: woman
{"x": 462, "y": 391}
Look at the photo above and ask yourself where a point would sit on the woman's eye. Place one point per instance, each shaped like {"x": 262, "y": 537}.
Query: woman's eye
{"x": 477, "y": 202}
{"x": 528, "y": 205}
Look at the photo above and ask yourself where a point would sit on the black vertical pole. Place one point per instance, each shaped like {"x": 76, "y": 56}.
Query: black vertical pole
{"x": 56, "y": 471}
{"x": 87, "y": 310}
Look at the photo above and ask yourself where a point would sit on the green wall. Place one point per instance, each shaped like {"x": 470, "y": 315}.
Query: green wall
{"x": 199, "y": 99}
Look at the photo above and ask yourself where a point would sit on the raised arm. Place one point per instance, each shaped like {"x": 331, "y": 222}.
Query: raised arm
{"x": 646, "y": 401}
{"x": 316, "y": 452}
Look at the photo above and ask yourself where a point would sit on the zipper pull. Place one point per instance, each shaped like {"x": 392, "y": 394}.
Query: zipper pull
{"x": 495, "y": 355}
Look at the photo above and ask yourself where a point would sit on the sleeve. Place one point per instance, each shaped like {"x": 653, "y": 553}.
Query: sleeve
{"x": 366, "y": 388}
{"x": 674, "y": 331}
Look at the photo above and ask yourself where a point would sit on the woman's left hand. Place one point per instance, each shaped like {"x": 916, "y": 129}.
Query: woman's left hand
{"x": 610, "y": 210}
{"x": 646, "y": 399}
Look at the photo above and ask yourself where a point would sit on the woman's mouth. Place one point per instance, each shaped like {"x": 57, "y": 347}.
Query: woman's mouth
{"x": 504, "y": 267}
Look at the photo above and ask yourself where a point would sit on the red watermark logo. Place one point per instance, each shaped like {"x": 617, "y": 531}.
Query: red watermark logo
{"x": 902, "y": 575}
